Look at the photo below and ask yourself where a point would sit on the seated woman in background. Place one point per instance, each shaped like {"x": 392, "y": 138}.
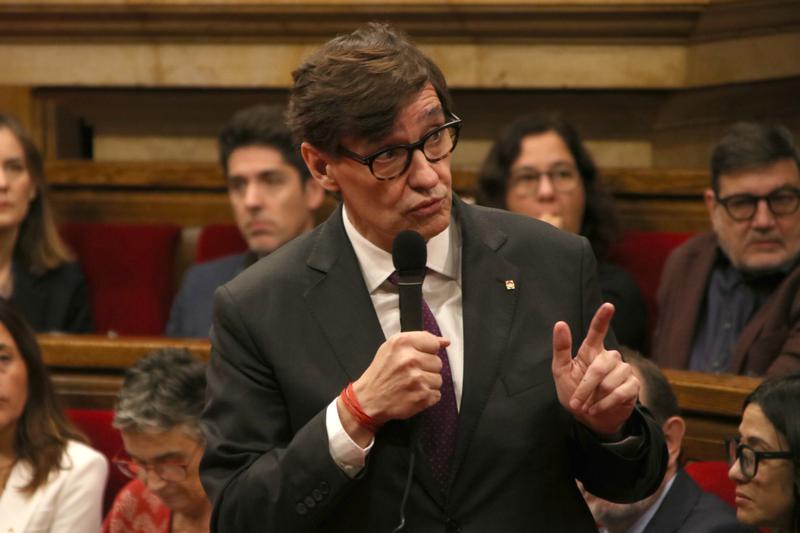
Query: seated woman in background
{"x": 765, "y": 457}
{"x": 158, "y": 412}
{"x": 539, "y": 167}
{"x": 49, "y": 479}
{"x": 36, "y": 269}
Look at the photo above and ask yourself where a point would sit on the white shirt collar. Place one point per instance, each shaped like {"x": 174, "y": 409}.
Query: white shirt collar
{"x": 376, "y": 264}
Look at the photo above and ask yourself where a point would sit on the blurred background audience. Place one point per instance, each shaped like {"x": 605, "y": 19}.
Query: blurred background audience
{"x": 158, "y": 413}
{"x": 37, "y": 271}
{"x": 539, "y": 167}
{"x": 50, "y": 480}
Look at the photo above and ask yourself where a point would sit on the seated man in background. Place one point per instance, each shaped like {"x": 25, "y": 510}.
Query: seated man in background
{"x": 678, "y": 505}
{"x": 158, "y": 413}
{"x": 729, "y": 300}
{"x": 273, "y": 202}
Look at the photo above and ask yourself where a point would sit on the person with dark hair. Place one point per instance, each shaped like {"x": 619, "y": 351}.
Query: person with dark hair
{"x": 273, "y": 202}
{"x": 765, "y": 456}
{"x": 729, "y": 300}
{"x": 324, "y": 416}
{"x": 158, "y": 413}
{"x": 679, "y": 505}
{"x": 50, "y": 480}
{"x": 37, "y": 271}
{"x": 539, "y": 167}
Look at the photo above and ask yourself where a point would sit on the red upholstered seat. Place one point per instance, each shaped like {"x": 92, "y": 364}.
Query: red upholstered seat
{"x": 128, "y": 270}
{"x": 218, "y": 240}
{"x": 712, "y": 476}
{"x": 643, "y": 254}
{"x": 96, "y": 425}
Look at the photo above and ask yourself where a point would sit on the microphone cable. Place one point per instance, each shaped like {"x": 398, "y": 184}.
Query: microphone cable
{"x": 406, "y": 490}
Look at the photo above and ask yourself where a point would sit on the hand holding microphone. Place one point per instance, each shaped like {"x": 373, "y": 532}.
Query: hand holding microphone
{"x": 404, "y": 377}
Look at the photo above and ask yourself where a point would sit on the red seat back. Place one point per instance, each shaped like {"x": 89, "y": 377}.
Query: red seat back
{"x": 712, "y": 476}
{"x": 129, "y": 273}
{"x": 218, "y": 240}
{"x": 96, "y": 425}
{"x": 643, "y": 254}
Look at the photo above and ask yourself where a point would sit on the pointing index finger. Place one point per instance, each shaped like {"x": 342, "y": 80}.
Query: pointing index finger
{"x": 599, "y": 328}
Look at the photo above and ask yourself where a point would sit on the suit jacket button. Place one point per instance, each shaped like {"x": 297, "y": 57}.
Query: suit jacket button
{"x": 310, "y": 502}
{"x": 301, "y": 509}
{"x": 452, "y": 526}
{"x": 317, "y": 495}
{"x": 324, "y": 488}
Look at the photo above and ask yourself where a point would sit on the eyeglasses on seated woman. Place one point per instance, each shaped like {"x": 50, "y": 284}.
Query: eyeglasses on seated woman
{"x": 158, "y": 413}
{"x": 765, "y": 456}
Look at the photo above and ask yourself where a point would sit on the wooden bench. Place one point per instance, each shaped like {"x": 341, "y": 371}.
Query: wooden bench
{"x": 193, "y": 194}
{"x": 87, "y": 371}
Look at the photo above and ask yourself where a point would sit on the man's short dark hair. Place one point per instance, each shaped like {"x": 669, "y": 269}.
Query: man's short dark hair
{"x": 356, "y": 84}
{"x": 260, "y": 125}
{"x": 658, "y": 397}
{"x": 751, "y": 145}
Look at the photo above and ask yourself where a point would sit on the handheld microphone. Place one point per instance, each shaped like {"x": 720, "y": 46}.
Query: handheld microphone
{"x": 409, "y": 255}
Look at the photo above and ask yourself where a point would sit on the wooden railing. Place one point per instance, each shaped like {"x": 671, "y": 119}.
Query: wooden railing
{"x": 88, "y": 370}
{"x": 193, "y": 194}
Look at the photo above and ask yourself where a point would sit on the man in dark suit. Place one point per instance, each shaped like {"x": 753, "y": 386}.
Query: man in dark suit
{"x": 679, "y": 505}
{"x": 729, "y": 300}
{"x": 323, "y": 416}
{"x": 273, "y": 201}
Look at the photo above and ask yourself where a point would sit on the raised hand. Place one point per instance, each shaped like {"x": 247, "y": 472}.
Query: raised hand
{"x": 596, "y": 386}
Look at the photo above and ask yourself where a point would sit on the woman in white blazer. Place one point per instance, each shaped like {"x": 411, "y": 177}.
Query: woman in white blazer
{"x": 50, "y": 481}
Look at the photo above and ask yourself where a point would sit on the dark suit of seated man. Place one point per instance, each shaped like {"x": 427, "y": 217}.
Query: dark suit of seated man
{"x": 679, "y": 505}
{"x": 323, "y": 416}
{"x": 273, "y": 201}
{"x": 729, "y": 300}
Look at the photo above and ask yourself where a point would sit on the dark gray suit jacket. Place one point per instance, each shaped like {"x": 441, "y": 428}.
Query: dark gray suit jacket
{"x": 290, "y": 332}
{"x": 688, "y": 509}
{"x": 192, "y": 308}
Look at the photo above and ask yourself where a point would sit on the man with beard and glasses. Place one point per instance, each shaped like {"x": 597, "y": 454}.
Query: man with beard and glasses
{"x": 729, "y": 299}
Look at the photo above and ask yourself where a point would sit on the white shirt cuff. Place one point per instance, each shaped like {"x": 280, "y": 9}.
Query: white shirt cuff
{"x": 348, "y": 455}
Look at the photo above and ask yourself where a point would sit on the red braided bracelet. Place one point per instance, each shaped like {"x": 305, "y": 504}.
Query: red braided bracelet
{"x": 352, "y": 404}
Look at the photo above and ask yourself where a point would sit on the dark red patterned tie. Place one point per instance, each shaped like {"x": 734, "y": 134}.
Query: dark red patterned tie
{"x": 438, "y": 423}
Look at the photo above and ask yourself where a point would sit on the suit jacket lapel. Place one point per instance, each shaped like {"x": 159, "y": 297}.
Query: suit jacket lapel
{"x": 488, "y": 309}
{"x": 338, "y": 298}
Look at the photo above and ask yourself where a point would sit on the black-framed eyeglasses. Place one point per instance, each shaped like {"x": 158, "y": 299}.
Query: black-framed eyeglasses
{"x": 393, "y": 161}
{"x": 166, "y": 470}
{"x": 748, "y": 457}
{"x": 563, "y": 177}
{"x": 742, "y": 207}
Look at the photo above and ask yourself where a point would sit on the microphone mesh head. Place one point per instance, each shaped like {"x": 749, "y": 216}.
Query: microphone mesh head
{"x": 409, "y": 252}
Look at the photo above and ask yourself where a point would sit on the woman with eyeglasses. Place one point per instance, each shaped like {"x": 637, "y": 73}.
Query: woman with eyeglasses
{"x": 539, "y": 167}
{"x": 38, "y": 273}
{"x": 765, "y": 457}
{"x": 158, "y": 413}
{"x": 50, "y": 480}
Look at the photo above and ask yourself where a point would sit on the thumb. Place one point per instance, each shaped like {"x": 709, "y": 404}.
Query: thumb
{"x": 562, "y": 346}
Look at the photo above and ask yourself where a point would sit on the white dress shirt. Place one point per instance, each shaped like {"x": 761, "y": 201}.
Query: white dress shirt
{"x": 442, "y": 292}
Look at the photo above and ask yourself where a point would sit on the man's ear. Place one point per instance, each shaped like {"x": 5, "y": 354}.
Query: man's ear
{"x": 674, "y": 428}
{"x": 317, "y": 163}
